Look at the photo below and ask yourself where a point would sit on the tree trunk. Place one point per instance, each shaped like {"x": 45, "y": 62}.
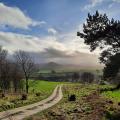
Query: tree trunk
{"x": 27, "y": 85}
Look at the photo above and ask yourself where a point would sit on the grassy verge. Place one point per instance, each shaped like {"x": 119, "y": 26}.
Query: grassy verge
{"x": 113, "y": 104}
{"x": 112, "y": 95}
{"x": 44, "y": 88}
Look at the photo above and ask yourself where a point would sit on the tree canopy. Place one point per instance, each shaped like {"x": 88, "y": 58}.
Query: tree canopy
{"x": 101, "y": 32}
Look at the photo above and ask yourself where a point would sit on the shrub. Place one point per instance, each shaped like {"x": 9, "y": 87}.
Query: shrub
{"x": 72, "y": 98}
{"x": 119, "y": 103}
{"x": 38, "y": 94}
{"x": 110, "y": 102}
{"x": 2, "y": 95}
{"x": 24, "y": 97}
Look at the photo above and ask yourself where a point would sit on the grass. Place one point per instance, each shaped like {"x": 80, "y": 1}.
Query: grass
{"x": 44, "y": 88}
{"x": 113, "y": 108}
{"x": 82, "y": 108}
{"x": 40, "y": 85}
{"x": 64, "y": 107}
{"x": 89, "y": 104}
{"x": 112, "y": 95}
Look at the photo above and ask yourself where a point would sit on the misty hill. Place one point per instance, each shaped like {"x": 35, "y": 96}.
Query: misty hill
{"x": 51, "y": 66}
{"x": 57, "y": 66}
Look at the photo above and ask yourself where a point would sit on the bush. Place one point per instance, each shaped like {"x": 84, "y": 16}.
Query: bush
{"x": 38, "y": 94}
{"x": 119, "y": 103}
{"x": 24, "y": 97}
{"x": 72, "y": 98}
{"x": 2, "y": 95}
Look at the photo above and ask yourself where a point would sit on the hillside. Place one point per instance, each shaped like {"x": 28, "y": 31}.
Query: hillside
{"x": 68, "y": 67}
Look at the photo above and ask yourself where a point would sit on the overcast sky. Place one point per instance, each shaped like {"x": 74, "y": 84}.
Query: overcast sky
{"x": 48, "y": 28}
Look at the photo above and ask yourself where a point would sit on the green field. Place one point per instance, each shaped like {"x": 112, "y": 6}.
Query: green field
{"x": 44, "y": 88}
{"x": 113, "y": 95}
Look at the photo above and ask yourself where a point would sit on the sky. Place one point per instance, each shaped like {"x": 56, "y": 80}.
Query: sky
{"x": 48, "y": 28}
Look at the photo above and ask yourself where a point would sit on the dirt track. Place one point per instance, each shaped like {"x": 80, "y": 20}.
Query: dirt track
{"x": 25, "y": 111}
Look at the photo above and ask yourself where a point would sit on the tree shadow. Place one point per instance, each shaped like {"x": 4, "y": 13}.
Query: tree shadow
{"x": 114, "y": 116}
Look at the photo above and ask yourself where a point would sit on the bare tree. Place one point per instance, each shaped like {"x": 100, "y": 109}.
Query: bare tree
{"x": 26, "y": 63}
{"x": 3, "y": 55}
{"x": 6, "y": 76}
{"x": 16, "y": 76}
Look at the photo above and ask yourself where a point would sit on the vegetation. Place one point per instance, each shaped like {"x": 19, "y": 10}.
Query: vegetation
{"x": 43, "y": 88}
{"x": 113, "y": 95}
{"x": 10, "y": 74}
{"x": 67, "y": 109}
{"x": 89, "y": 104}
{"x": 26, "y": 64}
{"x": 100, "y": 32}
{"x": 87, "y": 77}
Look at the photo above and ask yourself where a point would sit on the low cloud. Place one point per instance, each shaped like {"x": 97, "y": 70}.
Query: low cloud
{"x": 63, "y": 57}
{"x": 55, "y": 53}
{"x": 66, "y": 48}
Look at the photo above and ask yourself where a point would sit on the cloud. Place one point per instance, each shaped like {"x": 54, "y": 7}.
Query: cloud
{"x": 13, "y": 16}
{"x": 52, "y": 31}
{"x": 116, "y": 1}
{"x": 38, "y": 23}
{"x": 13, "y": 41}
{"x": 65, "y": 42}
{"x": 77, "y": 58}
{"x": 93, "y": 3}
{"x": 64, "y": 48}
{"x": 110, "y": 5}
{"x": 80, "y": 58}
{"x": 64, "y": 57}
{"x": 55, "y": 53}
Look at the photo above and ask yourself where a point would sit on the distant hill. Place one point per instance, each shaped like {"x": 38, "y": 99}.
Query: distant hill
{"x": 51, "y": 66}
{"x": 67, "y": 67}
